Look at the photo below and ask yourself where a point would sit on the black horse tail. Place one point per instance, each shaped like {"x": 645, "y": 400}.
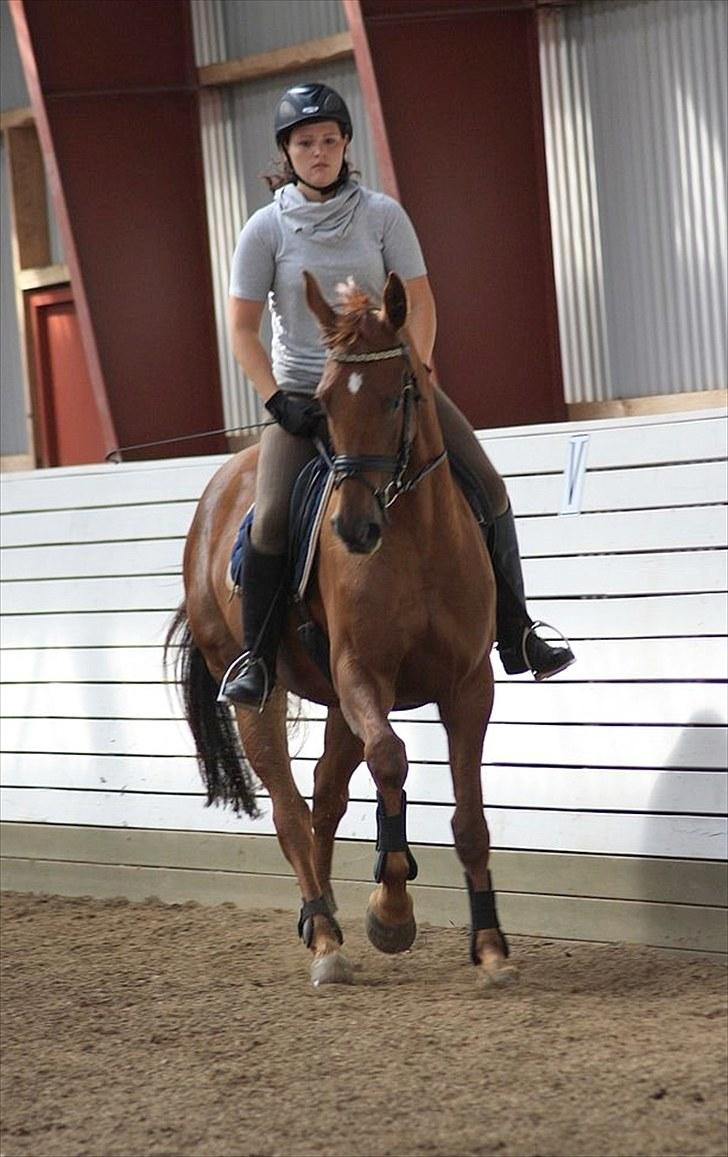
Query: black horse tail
{"x": 225, "y": 771}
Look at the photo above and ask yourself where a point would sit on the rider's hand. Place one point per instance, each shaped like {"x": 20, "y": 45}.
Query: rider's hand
{"x": 296, "y": 414}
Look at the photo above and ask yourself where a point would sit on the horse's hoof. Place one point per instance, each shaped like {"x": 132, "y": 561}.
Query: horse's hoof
{"x": 331, "y": 968}
{"x": 498, "y": 974}
{"x": 390, "y": 938}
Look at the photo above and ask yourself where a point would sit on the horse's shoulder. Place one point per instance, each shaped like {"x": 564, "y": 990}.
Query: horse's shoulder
{"x": 236, "y": 473}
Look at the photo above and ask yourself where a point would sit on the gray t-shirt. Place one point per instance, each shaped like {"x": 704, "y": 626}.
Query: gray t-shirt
{"x": 358, "y": 233}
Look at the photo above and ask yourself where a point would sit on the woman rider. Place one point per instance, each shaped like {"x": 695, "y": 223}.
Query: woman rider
{"x": 322, "y": 220}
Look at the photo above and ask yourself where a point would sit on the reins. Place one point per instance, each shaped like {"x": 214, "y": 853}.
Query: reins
{"x": 349, "y": 466}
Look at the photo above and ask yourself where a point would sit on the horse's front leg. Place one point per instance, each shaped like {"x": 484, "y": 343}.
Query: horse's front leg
{"x": 265, "y": 744}
{"x": 366, "y": 702}
{"x": 465, "y": 716}
{"x": 343, "y": 752}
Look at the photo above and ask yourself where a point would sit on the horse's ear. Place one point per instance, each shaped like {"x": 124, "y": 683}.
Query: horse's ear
{"x": 316, "y": 302}
{"x": 395, "y": 301}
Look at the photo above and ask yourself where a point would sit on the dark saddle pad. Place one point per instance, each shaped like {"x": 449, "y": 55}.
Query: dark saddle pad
{"x": 307, "y": 502}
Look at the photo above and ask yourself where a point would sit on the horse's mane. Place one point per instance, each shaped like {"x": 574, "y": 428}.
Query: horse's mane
{"x": 355, "y": 306}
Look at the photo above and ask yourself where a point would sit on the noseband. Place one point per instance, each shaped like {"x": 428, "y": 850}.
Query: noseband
{"x": 345, "y": 466}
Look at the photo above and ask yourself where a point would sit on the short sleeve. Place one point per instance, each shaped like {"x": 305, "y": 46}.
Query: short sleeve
{"x": 253, "y": 265}
{"x": 401, "y": 249}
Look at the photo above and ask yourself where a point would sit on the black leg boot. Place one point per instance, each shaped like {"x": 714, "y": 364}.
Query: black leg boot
{"x": 519, "y": 647}
{"x": 264, "y": 612}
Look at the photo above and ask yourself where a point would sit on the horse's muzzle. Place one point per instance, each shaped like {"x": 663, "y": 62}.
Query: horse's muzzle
{"x": 359, "y": 536}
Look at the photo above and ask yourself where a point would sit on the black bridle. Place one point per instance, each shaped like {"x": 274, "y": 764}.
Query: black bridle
{"x": 348, "y": 466}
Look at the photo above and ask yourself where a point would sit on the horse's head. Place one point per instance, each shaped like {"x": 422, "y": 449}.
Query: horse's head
{"x": 368, "y": 392}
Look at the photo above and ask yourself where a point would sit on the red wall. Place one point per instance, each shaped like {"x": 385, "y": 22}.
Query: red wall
{"x": 114, "y": 92}
{"x": 460, "y": 95}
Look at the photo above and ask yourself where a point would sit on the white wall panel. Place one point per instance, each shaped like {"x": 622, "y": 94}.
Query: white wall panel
{"x": 689, "y": 659}
{"x": 661, "y": 790}
{"x": 636, "y": 137}
{"x": 623, "y": 755}
{"x": 616, "y": 834}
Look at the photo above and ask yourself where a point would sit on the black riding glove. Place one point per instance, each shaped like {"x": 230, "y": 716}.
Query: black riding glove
{"x": 296, "y": 414}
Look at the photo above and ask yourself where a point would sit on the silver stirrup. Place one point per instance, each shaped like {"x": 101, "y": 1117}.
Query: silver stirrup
{"x": 239, "y": 666}
{"x": 560, "y": 637}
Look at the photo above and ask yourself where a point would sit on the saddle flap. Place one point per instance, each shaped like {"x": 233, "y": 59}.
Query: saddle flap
{"x": 308, "y": 502}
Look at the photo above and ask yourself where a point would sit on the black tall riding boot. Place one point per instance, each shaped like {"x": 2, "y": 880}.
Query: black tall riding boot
{"x": 264, "y": 612}
{"x": 519, "y": 647}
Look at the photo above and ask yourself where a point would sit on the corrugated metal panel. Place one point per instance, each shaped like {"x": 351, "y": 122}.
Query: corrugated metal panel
{"x": 261, "y": 25}
{"x": 226, "y": 208}
{"x": 209, "y": 32}
{"x": 238, "y": 146}
{"x": 636, "y": 141}
{"x": 13, "y": 89}
{"x": 13, "y": 425}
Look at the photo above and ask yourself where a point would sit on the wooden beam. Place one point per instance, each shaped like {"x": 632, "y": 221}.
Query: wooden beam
{"x": 292, "y": 59}
{"x": 10, "y": 462}
{"x": 14, "y": 118}
{"x": 653, "y": 404}
{"x": 42, "y": 277}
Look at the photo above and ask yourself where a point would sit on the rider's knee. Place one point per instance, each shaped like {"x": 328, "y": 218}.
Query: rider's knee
{"x": 269, "y": 533}
{"x": 497, "y": 493}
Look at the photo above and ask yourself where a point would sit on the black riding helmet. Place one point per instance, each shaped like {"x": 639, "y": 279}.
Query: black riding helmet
{"x": 310, "y": 102}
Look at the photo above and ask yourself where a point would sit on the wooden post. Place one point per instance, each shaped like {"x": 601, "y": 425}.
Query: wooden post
{"x": 370, "y": 92}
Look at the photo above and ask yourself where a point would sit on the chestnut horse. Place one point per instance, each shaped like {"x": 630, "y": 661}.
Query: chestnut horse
{"x": 405, "y": 592}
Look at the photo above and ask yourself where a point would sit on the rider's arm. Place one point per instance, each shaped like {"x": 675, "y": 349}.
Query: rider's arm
{"x": 249, "y": 351}
{"x": 422, "y": 317}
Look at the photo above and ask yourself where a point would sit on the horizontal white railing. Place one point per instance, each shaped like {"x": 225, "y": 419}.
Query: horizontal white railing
{"x": 622, "y": 755}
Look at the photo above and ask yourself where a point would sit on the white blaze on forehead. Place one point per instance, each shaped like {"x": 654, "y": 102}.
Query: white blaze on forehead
{"x": 354, "y": 383}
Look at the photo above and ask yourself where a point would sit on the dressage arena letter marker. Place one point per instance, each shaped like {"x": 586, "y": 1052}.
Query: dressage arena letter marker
{"x": 574, "y": 474}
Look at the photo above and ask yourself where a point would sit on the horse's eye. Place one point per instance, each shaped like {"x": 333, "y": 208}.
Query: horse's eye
{"x": 395, "y": 403}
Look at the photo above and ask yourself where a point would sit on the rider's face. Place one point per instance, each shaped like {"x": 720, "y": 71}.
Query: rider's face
{"x": 317, "y": 153}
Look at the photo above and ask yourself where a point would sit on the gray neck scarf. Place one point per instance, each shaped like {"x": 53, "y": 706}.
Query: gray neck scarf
{"x": 329, "y": 220}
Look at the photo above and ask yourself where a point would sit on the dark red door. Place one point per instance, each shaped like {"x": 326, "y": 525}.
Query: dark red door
{"x": 67, "y": 425}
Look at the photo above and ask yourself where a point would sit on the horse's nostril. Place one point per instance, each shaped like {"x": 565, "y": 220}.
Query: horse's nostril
{"x": 360, "y": 537}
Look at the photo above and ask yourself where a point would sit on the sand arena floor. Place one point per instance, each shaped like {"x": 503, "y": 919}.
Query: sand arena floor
{"x": 137, "y": 1029}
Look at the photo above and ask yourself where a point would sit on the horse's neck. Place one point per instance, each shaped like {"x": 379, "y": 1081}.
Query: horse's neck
{"x": 431, "y": 437}
{"x": 428, "y": 444}
{"x": 429, "y": 441}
